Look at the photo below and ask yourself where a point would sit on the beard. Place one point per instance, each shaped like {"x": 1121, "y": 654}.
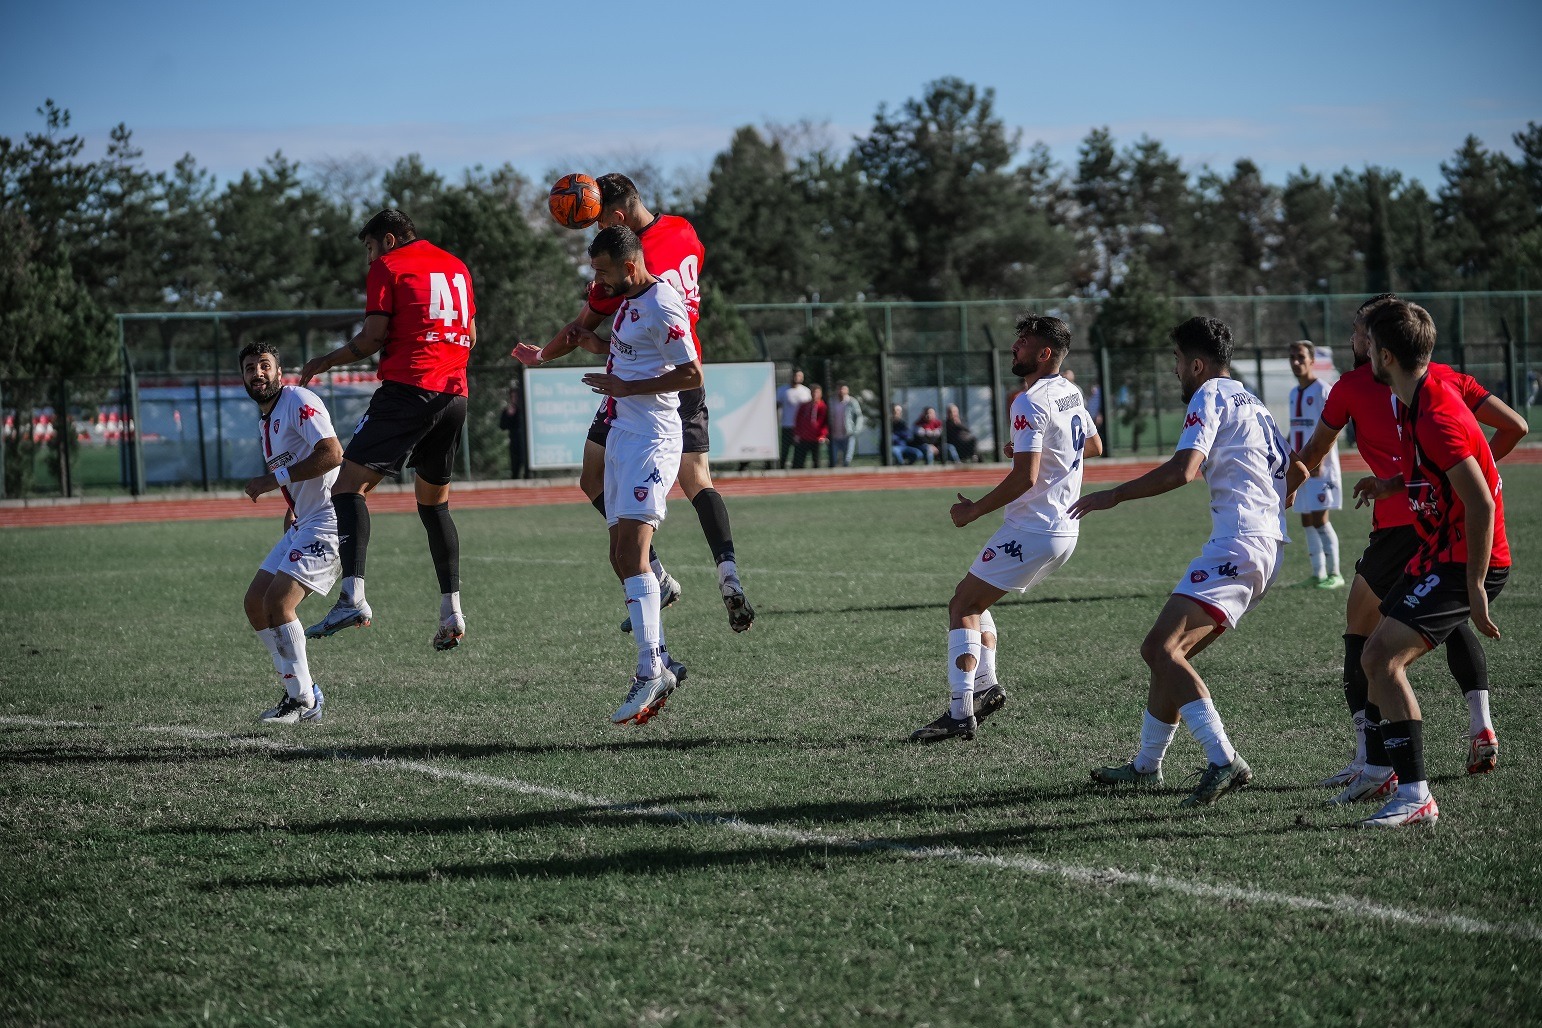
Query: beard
{"x": 1024, "y": 370}
{"x": 266, "y": 395}
{"x": 1361, "y": 359}
{"x": 1188, "y": 394}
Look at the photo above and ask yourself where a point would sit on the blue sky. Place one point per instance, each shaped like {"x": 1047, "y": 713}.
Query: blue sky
{"x": 556, "y": 86}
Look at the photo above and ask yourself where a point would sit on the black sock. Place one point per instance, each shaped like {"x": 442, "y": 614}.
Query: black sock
{"x": 1355, "y": 685}
{"x": 1466, "y": 659}
{"x": 713, "y": 514}
{"x": 443, "y": 544}
{"x": 598, "y": 503}
{"x": 352, "y": 532}
{"x": 1405, "y": 745}
{"x": 1375, "y": 748}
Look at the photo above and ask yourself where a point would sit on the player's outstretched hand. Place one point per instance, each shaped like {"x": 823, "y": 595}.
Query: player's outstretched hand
{"x": 1370, "y": 489}
{"x": 607, "y": 385}
{"x": 1103, "y": 499}
{"x": 260, "y": 484}
{"x": 313, "y": 367}
{"x": 1480, "y": 618}
{"x": 962, "y": 512}
{"x": 529, "y": 356}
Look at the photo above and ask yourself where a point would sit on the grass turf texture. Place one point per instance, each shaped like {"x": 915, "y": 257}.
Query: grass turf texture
{"x": 151, "y": 877}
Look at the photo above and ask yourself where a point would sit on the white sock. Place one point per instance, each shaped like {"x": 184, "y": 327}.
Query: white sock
{"x": 1477, "y": 711}
{"x": 1330, "y": 548}
{"x": 726, "y": 570}
{"x": 1155, "y": 737}
{"x": 985, "y": 673}
{"x": 1314, "y": 551}
{"x": 353, "y": 591}
{"x": 449, "y": 603}
{"x": 290, "y": 638}
{"x": 271, "y": 639}
{"x": 642, "y": 603}
{"x": 1360, "y": 723}
{"x": 961, "y": 642}
{"x": 1206, "y": 728}
{"x": 1416, "y": 791}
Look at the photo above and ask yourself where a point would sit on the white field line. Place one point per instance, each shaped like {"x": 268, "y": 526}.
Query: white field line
{"x": 1342, "y": 906}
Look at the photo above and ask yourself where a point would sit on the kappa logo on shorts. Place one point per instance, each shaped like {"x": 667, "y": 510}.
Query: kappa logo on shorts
{"x": 641, "y": 492}
{"x": 1197, "y": 577}
{"x": 1228, "y": 570}
{"x": 988, "y": 556}
{"x": 655, "y": 477}
{"x": 1013, "y": 548}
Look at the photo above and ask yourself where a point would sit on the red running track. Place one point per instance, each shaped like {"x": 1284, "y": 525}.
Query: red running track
{"x": 400, "y": 500}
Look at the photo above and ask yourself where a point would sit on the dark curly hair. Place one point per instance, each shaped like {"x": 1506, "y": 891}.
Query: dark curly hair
{"x": 1209, "y": 338}
{"x": 1052, "y": 332}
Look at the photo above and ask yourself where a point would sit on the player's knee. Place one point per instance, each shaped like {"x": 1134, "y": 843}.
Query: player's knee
{"x": 1378, "y": 660}
{"x": 256, "y": 610}
{"x": 1159, "y": 649}
{"x": 962, "y": 606}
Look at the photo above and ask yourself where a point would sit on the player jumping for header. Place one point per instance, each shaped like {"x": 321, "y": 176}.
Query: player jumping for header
{"x": 301, "y": 454}
{"x": 1229, "y": 436}
{"x": 1051, "y": 434}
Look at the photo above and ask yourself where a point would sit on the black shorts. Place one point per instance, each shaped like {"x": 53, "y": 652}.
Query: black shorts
{"x": 1386, "y": 557}
{"x": 693, "y": 423}
{"x": 1435, "y": 604}
{"x": 408, "y": 426}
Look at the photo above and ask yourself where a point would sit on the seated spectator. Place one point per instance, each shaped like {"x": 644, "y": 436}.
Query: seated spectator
{"x": 962, "y": 445}
{"x": 927, "y": 434}
{"x": 811, "y": 429}
{"x": 899, "y": 440}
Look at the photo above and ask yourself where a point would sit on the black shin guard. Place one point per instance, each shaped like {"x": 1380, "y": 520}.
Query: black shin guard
{"x": 1405, "y": 747}
{"x": 1355, "y": 685}
{"x": 713, "y": 514}
{"x": 443, "y": 544}
{"x": 1466, "y": 659}
{"x": 352, "y": 532}
{"x": 1375, "y": 747}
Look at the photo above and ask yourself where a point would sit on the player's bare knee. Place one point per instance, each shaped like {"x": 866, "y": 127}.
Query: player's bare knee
{"x": 255, "y": 607}
{"x": 1378, "y": 660}
{"x": 1159, "y": 649}
{"x": 591, "y": 482}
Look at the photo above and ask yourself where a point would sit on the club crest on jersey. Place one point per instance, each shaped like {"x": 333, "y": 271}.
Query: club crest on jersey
{"x": 1197, "y": 577}
{"x": 636, "y": 314}
{"x": 1193, "y": 419}
{"x": 1020, "y": 423}
{"x": 640, "y": 492}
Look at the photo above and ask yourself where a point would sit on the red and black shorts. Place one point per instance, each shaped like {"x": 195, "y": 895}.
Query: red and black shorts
{"x": 1386, "y": 556}
{"x": 409, "y": 427}
{"x": 693, "y": 423}
{"x": 1435, "y": 603}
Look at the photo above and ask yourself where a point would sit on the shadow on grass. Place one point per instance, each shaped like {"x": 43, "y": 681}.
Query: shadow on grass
{"x": 885, "y": 608}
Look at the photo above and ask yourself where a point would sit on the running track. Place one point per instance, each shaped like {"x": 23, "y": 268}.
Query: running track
{"x": 398, "y": 499}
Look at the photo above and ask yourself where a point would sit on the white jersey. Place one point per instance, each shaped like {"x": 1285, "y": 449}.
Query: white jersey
{"x": 1245, "y": 459}
{"x": 290, "y": 432}
{"x": 650, "y": 336}
{"x": 1306, "y": 405}
{"x": 1050, "y": 419}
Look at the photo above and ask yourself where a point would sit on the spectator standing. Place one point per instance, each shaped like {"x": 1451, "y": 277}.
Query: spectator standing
{"x": 512, "y": 420}
{"x": 788, "y": 399}
{"x": 812, "y": 428}
{"x": 845, "y": 423}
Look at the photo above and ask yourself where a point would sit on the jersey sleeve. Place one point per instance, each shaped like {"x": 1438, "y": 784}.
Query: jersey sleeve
{"x": 311, "y": 418}
{"x": 1335, "y": 409}
{"x": 379, "y": 296}
{"x": 1200, "y": 424}
{"x": 1470, "y": 389}
{"x": 600, "y": 301}
{"x": 675, "y": 324}
{"x": 1028, "y": 423}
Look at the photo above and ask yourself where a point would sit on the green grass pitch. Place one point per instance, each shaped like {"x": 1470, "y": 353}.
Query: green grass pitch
{"x": 466, "y": 839}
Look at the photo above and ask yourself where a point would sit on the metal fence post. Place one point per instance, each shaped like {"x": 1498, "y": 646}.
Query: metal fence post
{"x": 203, "y": 450}
{"x": 136, "y": 444}
{"x": 64, "y": 434}
{"x": 885, "y": 435}
{"x": 1105, "y": 403}
{"x": 1461, "y": 335}
{"x": 1156, "y": 400}
{"x": 999, "y": 414}
{"x": 1258, "y": 369}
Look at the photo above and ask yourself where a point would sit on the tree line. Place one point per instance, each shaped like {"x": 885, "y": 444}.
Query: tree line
{"x": 939, "y": 200}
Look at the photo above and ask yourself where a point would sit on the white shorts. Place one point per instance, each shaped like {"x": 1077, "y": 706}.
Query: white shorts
{"x": 307, "y": 553}
{"x": 1015, "y": 560}
{"x": 1230, "y": 576}
{"x": 1317, "y": 494}
{"x": 639, "y": 471}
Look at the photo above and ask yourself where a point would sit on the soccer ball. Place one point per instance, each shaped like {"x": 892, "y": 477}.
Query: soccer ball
{"x": 574, "y": 201}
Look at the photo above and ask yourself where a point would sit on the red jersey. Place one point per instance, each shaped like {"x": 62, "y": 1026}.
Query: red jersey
{"x": 1439, "y": 432}
{"x": 671, "y": 252}
{"x": 426, "y": 292}
{"x": 1359, "y": 397}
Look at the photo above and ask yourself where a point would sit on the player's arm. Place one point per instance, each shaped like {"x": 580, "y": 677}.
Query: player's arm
{"x": 1024, "y": 473}
{"x": 563, "y": 343}
{"x": 1370, "y": 489}
{"x": 1092, "y": 446}
{"x": 1179, "y": 470}
{"x": 1508, "y": 425}
{"x": 327, "y": 455}
{"x": 369, "y": 341}
{"x": 683, "y": 376}
{"x": 1310, "y": 456}
{"x": 1467, "y": 480}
